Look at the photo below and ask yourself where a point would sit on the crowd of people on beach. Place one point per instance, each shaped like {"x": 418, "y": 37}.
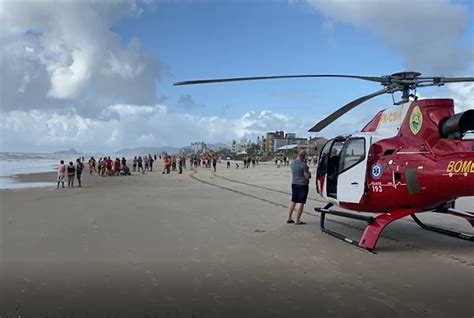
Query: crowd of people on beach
{"x": 106, "y": 166}
{"x": 142, "y": 164}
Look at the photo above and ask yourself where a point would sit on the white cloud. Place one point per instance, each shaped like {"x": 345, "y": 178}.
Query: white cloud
{"x": 57, "y": 52}
{"x": 67, "y": 82}
{"x": 426, "y": 33}
{"x": 125, "y": 125}
{"x": 119, "y": 111}
{"x": 463, "y": 95}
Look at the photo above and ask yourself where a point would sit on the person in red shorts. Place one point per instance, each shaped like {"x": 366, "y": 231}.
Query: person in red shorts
{"x": 167, "y": 163}
{"x": 117, "y": 167}
{"x": 109, "y": 166}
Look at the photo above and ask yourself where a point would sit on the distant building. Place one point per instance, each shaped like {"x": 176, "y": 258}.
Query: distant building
{"x": 198, "y": 147}
{"x": 279, "y": 142}
{"x": 241, "y": 146}
{"x": 268, "y": 143}
{"x": 315, "y": 145}
{"x": 278, "y": 139}
{"x": 259, "y": 143}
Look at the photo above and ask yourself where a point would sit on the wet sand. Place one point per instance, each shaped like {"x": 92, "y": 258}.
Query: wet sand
{"x": 205, "y": 245}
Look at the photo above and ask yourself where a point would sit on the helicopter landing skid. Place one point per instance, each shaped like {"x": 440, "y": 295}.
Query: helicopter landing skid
{"x": 460, "y": 235}
{"x": 375, "y": 225}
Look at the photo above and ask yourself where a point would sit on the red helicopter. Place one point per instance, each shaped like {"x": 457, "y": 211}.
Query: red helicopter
{"x": 410, "y": 158}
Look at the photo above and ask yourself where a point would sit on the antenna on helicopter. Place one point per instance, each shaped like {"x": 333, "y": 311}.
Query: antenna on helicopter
{"x": 404, "y": 82}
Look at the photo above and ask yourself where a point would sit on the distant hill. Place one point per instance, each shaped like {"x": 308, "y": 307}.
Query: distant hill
{"x": 69, "y": 152}
{"x": 138, "y": 151}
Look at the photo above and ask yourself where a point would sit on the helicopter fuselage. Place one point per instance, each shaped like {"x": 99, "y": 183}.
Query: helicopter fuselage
{"x": 400, "y": 160}
{"x": 409, "y": 158}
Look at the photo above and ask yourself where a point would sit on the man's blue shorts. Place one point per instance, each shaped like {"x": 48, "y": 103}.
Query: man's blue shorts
{"x": 299, "y": 193}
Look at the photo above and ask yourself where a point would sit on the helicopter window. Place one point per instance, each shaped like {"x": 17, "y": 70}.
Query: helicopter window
{"x": 352, "y": 153}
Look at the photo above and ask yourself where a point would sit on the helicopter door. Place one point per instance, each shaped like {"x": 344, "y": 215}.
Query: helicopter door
{"x": 326, "y": 175}
{"x": 353, "y": 169}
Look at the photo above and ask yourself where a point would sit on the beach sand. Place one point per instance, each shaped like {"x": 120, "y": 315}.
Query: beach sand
{"x": 205, "y": 245}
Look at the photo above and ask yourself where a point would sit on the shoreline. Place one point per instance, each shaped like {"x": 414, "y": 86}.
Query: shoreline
{"x": 23, "y": 181}
{"x": 35, "y": 176}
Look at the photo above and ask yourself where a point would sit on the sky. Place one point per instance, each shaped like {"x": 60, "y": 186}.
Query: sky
{"x": 97, "y": 75}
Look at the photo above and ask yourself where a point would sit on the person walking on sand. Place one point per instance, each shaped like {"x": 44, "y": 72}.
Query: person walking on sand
{"x": 117, "y": 167}
{"x": 173, "y": 163}
{"x": 140, "y": 164}
{"x": 181, "y": 160}
{"x": 214, "y": 163}
{"x": 150, "y": 159}
{"x": 299, "y": 187}
{"x": 91, "y": 165}
{"x": 61, "y": 173}
{"x": 167, "y": 164}
{"x": 134, "y": 165}
{"x": 103, "y": 167}
{"x": 99, "y": 166}
{"x": 71, "y": 173}
{"x": 146, "y": 160}
{"x": 109, "y": 166}
{"x": 79, "y": 168}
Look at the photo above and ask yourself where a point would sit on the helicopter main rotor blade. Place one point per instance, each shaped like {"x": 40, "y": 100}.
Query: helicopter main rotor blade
{"x": 446, "y": 79}
{"x": 453, "y": 79}
{"x": 377, "y": 79}
{"x": 344, "y": 109}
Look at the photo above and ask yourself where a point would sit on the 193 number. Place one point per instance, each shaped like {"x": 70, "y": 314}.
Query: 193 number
{"x": 377, "y": 188}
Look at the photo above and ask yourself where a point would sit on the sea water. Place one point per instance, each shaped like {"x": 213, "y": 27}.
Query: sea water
{"x": 13, "y": 163}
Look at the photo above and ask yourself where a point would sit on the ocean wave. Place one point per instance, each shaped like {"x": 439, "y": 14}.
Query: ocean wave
{"x": 7, "y": 156}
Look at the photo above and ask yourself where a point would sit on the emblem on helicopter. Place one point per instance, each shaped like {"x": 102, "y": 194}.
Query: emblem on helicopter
{"x": 416, "y": 120}
{"x": 376, "y": 171}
